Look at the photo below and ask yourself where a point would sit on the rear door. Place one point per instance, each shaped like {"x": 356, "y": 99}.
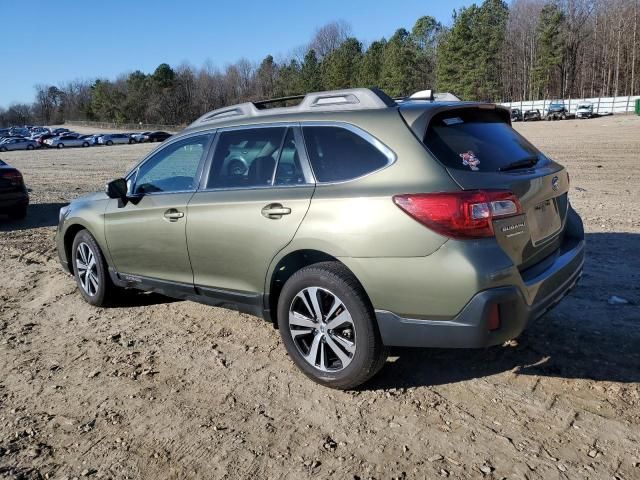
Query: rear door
{"x": 256, "y": 191}
{"x": 480, "y": 150}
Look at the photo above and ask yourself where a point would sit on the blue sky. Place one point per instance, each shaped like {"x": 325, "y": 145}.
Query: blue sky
{"x": 49, "y": 42}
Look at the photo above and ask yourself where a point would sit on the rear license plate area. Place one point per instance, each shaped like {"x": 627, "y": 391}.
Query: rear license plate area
{"x": 544, "y": 221}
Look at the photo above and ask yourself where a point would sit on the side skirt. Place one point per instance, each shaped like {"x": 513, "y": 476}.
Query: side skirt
{"x": 244, "y": 302}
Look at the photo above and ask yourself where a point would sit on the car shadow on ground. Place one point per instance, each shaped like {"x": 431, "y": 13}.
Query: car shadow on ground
{"x": 583, "y": 338}
{"x": 38, "y": 215}
{"x": 137, "y": 298}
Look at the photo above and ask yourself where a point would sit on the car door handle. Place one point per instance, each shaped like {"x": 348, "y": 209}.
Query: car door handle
{"x": 275, "y": 211}
{"x": 173, "y": 215}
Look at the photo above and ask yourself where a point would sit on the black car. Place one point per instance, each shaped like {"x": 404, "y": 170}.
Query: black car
{"x": 557, "y": 111}
{"x": 158, "y": 136}
{"x": 516, "y": 115}
{"x": 14, "y": 198}
{"x": 531, "y": 115}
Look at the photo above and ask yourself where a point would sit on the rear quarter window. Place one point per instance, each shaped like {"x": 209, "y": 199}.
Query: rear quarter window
{"x": 338, "y": 154}
{"x": 476, "y": 140}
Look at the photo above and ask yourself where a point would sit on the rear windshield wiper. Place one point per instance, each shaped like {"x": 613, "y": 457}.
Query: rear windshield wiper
{"x": 524, "y": 163}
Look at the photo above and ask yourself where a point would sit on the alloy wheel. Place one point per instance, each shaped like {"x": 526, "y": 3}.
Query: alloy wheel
{"x": 322, "y": 329}
{"x": 87, "y": 269}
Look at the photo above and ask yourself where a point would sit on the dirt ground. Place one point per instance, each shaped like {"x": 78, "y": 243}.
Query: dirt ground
{"x": 174, "y": 389}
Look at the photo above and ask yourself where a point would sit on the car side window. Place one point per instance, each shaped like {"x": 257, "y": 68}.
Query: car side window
{"x": 338, "y": 154}
{"x": 174, "y": 168}
{"x": 246, "y": 157}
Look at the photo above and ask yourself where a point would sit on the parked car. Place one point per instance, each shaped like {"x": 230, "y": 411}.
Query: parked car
{"x": 94, "y": 139}
{"x": 531, "y": 115}
{"x": 88, "y": 138}
{"x": 14, "y": 198}
{"x": 516, "y": 115}
{"x": 344, "y": 230}
{"x": 557, "y": 111}
{"x": 42, "y": 139}
{"x": 140, "y": 137}
{"x": 8, "y": 137}
{"x": 59, "y": 131}
{"x": 67, "y": 141}
{"x": 17, "y": 144}
{"x": 19, "y": 131}
{"x": 38, "y": 130}
{"x": 113, "y": 139}
{"x": 585, "y": 110}
{"x": 157, "y": 136}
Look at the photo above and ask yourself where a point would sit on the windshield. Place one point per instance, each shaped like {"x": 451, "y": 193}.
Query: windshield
{"x": 477, "y": 140}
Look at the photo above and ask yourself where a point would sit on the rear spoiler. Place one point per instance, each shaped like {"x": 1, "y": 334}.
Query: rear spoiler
{"x": 417, "y": 115}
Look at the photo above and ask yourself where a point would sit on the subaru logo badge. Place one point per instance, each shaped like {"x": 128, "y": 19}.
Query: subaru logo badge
{"x": 554, "y": 183}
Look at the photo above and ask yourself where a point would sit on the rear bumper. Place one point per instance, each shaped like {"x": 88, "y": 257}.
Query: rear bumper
{"x": 469, "y": 329}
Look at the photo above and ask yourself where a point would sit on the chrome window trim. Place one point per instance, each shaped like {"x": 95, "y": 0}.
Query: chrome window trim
{"x": 304, "y": 160}
{"x": 376, "y": 143}
{"x": 133, "y": 173}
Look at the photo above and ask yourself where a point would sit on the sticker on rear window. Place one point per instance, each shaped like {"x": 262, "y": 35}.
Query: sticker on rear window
{"x": 452, "y": 121}
{"x": 470, "y": 160}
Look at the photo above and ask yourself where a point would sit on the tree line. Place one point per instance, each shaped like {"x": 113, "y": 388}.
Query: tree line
{"x": 530, "y": 49}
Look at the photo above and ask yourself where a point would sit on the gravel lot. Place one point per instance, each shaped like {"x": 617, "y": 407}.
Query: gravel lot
{"x": 172, "y": 389}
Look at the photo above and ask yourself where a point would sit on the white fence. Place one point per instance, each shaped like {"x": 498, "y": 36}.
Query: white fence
{"x": 601, "y": 105}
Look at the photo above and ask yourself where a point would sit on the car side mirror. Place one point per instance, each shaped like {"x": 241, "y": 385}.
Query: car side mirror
{"x": 117, "y": 189}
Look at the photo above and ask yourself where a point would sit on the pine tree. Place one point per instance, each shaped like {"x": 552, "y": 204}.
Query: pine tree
{"x": 340, "y": 67}
{"x": 310, "y": 74}
{"x": 266, "y": 77}
{"x": 470, "y": 54}
{"x": 399, "y": 65}
{"x": 425, "y": 35}
{"x": 370, "y": 73}
{"x": 550, "y": 47}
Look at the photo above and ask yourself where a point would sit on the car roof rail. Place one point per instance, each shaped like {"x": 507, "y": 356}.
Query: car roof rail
{"x": 329, "y": 101}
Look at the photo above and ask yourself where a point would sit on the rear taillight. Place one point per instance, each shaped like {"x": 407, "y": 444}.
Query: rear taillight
{"x": 14, "y": 176}
{"x": 461, "y": 215}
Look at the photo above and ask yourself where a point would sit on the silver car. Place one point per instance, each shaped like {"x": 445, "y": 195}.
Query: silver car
{"x": 18, "y": 144}
{"x": 68, "y": 141}
{"x": 141, "y": 137}
{"x": 585, "y": 110}
{"x": 113, "y": 139}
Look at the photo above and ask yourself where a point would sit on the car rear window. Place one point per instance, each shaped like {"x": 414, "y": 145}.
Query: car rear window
{"x": 476, "y": 140}
{"x": 338, "y": 154}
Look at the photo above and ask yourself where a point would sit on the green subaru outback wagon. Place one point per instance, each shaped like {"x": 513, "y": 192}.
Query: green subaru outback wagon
{"x": 351, "y": 221}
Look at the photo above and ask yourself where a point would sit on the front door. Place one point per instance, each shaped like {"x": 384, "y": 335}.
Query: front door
{"x": 147, "y": 236}
{"x": 254, "y": 197}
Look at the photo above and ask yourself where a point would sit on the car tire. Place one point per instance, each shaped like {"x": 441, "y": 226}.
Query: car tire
{"x": 94, "y": 282}
{"x": 29, "y": 147}
{"x": 109, "y": 143}
{"x": 85, "y": 144}
{"x": 343, "y": 355}
{"x": 60, "y": 145}
{"x": 18, "y": 214}
{"x": 3, "y": 149}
